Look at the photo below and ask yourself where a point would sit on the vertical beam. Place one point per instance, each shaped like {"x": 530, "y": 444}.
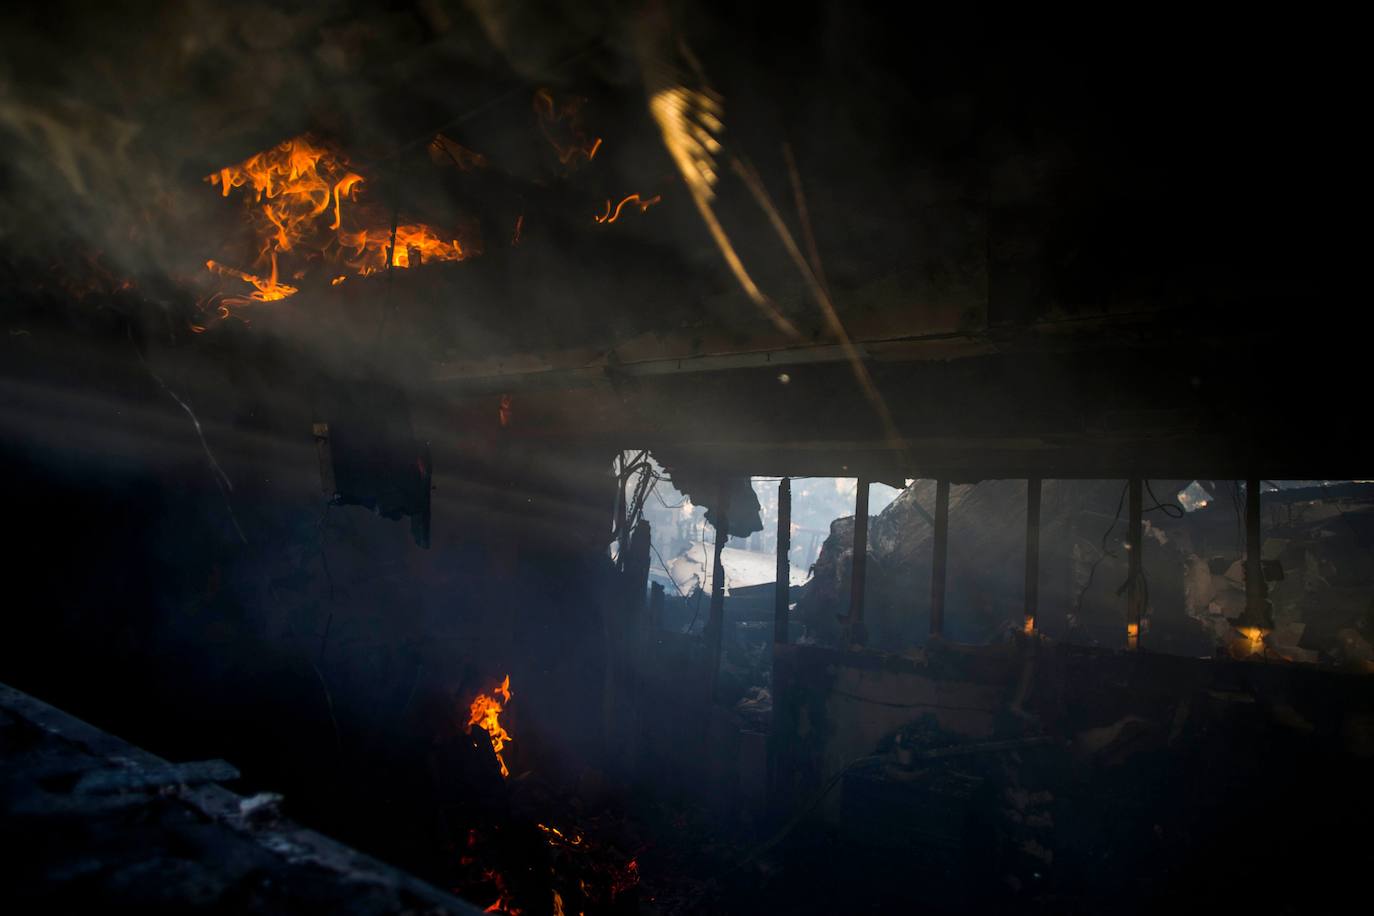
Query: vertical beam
{"x": 637, "y": 574}
{"x": 1032, "y": 553}
{"x": 782, "y": 592}
{"x": 715, "y": 623}
{"x": 858, "y": 569}
{"x": 1135, "y": 590}
{"x": 940, "y": 554}
{"x": 624, "y": 626}
{"x": 1255, "y": 589}
{"x": 656, "y": 596}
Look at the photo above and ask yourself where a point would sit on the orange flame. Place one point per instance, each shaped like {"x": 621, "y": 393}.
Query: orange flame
{"x": 503, "y": 902}
{"x": 296, "y": 192}
{"x": 268, "y": 290}
{"x": 643, "y": 204}
{"x": 485, "y": 712}
{"x": 556, "y": 836}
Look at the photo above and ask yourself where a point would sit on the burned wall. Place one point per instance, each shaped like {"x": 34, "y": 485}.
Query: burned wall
{"x": 187, "y": 583}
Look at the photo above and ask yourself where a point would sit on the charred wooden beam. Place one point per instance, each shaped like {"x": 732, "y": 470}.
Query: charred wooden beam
{"x": 1135, "y": 589}
{"x": 1256, "y": 592}
{"x": 782, "y": 591}
{"x": 1032, "y": 553}
{"x": 858, "y": 572}
{"x": 940, "y": 554}
{"x": 637, "y": 574}
{"x": 656, "y": 597}
{"x": 715, "y": 623}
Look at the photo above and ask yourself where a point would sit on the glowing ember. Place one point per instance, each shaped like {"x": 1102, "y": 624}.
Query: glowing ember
{"x": 563, "y": 128}
{"x": 295, "y": 194}
{"x": 267, "y": 290}
{"x": 643, "y": 204}
{"x": 485, "y": 712}
{"x": 556, "y": 836}
{"x": 445, "y": 150}
{"x": 503, "y": 902}
{"x": 1252, "y": 642}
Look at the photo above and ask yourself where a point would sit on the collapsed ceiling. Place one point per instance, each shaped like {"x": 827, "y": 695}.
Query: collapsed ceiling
{"x": 961, "y": 247}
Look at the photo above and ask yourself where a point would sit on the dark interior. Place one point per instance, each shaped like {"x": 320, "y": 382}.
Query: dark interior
{"x": 675, "y": 456}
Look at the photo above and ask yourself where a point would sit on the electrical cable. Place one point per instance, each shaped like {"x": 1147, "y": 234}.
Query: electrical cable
{"x": 1173, "y": 510}
{"x": 1092, "y": 573}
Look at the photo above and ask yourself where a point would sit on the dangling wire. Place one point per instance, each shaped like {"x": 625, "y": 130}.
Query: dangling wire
{"x": 1173, "y": 509}
{"x": 1104, "y": 552}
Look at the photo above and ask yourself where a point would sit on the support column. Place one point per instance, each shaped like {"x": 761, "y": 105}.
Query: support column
{"x": 858, "y": 571}
{"x": 1032, "y": 590}
{"x": 715, "y": 623}
{"x": 1256, "y": 592}
{"x": 782, "y": 592}
{"x": 624, "y": 630}
{"x": 1135, "y": 588}
{"x": 940, "y": 553}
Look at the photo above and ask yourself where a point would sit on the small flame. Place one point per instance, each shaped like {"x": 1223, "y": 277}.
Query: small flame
{"x": 485, "y": 712}
{"x": 267, "y": 290}
{"x": 503, "y": 902}
{"x": 556, "y": 836}
{"x": 643, "y": 204}
{"x": 1029, "y": 626}
{"x": 563, "y": 128}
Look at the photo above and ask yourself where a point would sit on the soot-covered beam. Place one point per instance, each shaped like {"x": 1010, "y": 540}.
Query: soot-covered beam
{"x": 858, "y": 574}
{"x": 1135, "y": 590}
{"x": 782, "y": 590}
{"x": 1032, "y": 553}
{"x": 940, "y": 553}
{"x": 715, "y": 624}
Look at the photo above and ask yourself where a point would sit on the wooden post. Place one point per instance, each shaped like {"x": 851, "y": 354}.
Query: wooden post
{"x": 1256, "y": 593}
{"x": 1135, "y": 590}
{"x": 940, "y": 554}
{"x": 656, "y": 596}
{"x": 625, "y": 623}
{"x": 782, "y": 593}
{"x": 858, "y": 568}
{"x": 715, "y": 623}
{"x": 637, "y": 575}
{"x": 1032, "y": 553}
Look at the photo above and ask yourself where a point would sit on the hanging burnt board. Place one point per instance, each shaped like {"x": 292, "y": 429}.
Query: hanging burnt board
{"x": 373, "y": 455}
